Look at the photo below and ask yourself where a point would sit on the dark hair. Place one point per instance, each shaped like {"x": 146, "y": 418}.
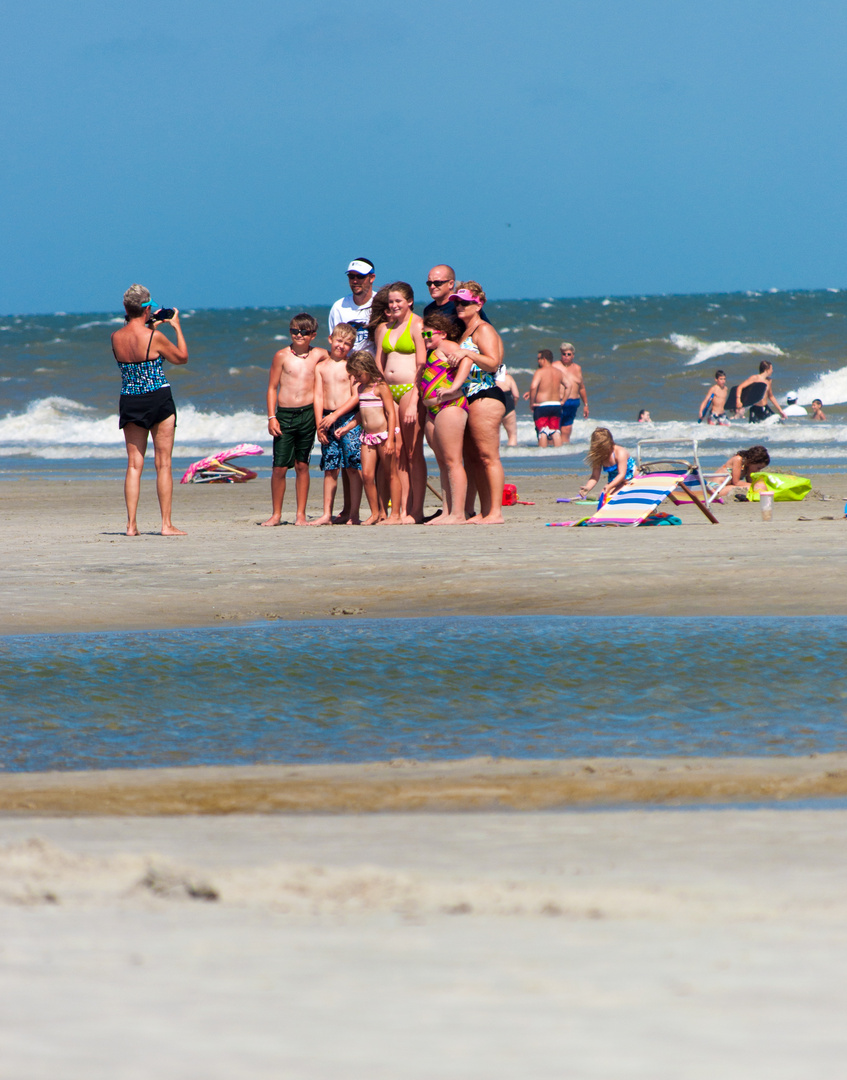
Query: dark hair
{"x": 753, "y": 460}
{"x": 764, "y": 365}
{"x": 451, "y": 328}
{"x": 720, "y": 372}
{"x": 379, "y": 309}
{"x": 361, "y": 363}
{"x": 643, "y": 411}
{"x": 547, "y": 354}
{"x": 305, "y": 322}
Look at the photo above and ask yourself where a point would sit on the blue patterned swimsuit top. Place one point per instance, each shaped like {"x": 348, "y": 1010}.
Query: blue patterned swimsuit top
{"x": 143, "y": 376}
{"x": 612, "y": 470}
{"x": 478, "y": 379}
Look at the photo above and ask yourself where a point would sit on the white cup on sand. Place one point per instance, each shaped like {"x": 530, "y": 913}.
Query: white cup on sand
{"x": 766, "y": 502}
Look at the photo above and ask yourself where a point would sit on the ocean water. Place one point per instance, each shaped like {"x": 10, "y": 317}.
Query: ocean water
{"x": 59, "y": 384}
{"x": 359, "y": 690}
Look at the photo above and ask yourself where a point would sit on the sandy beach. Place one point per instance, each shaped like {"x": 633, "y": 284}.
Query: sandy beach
{"x": 81, "y": 573}
{"x": 664, "y": 944}
{"x": 401, "y": 919}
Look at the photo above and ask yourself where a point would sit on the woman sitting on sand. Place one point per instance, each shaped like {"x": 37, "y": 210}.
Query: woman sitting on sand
{"x": 741, "y": 465}
{"x": 146, "y": 404}
{"x": 605, "y": 455}
{"x": 400, "y": 354}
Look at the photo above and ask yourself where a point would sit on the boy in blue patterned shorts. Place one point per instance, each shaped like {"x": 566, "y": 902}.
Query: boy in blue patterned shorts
{"x": 334, "y": 389}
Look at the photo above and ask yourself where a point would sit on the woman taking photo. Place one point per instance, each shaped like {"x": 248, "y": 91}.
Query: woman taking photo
{"x": 146, "y": 404}
{"x": 486, "y": 405}
{"x": 400, "y": 354}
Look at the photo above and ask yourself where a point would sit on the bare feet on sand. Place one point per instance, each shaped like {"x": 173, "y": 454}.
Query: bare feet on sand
{"x": 324, "y": 519}
{"x": 171, "y": 530}
{"x": 272, "y": 521}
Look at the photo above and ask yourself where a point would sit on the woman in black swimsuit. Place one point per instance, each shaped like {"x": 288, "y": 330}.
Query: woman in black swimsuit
{"x": 147, "y": 406}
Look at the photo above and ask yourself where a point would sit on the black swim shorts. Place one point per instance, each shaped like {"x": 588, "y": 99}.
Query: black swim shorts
{"x": 510, "y": 401}
{"x": 146, "y": 410}
{"x": 298, "y": 436}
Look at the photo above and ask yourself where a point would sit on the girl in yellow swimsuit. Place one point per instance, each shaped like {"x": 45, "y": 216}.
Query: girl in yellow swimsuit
{"x": 400, "y": 354}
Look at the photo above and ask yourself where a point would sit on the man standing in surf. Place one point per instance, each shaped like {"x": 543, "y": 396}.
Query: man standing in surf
{"x": 758, "y": 395}
{"x": 574, "y": 390}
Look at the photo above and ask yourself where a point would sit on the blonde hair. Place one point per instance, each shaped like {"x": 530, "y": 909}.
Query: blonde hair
{"x": 472, "y": 287}
{"x": 600, "y": 448}
{"x": 362, "y": 366}
{"x": 344, "y": 332}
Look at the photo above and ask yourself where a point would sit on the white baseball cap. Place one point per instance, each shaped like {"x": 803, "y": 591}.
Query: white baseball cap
{"x": 360, "y": 266}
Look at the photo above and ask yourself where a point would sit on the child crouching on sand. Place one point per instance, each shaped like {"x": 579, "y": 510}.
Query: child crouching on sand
{"x": 378, "y": 419}
{"x": 605, "y": 455}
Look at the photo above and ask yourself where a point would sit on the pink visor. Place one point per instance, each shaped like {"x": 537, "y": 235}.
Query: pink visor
{"x": 465, "y": 294}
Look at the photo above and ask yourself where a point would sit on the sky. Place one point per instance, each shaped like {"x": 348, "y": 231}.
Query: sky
{"x": 240, "y": 155}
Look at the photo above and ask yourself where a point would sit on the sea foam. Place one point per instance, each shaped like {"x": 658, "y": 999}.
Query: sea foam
{"x": 705, "y": 350}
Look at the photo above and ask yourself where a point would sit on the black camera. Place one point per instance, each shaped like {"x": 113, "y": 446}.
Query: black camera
{"x": 162, "y": 315}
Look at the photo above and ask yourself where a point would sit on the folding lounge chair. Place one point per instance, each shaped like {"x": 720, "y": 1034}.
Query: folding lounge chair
{"x": 639, "y": 498}
{"x": 710, "y": 484}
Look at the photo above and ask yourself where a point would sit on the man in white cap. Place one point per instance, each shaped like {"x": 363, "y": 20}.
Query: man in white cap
{"x": 355, "y": 309}
{"x": 791, "y": 406}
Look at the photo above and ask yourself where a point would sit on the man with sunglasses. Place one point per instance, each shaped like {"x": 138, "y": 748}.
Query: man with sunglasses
{"x": 574, "y": 390}
{"x": 441, "y": 282}
{"x": 355, "y": 309}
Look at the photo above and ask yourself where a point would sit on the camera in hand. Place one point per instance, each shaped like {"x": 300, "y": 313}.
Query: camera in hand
{"x": 162, "y": 315}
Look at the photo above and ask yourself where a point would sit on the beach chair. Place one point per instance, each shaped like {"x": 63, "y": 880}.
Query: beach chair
{"x": 711, "y": 484}
{"x": 641, "y": 497}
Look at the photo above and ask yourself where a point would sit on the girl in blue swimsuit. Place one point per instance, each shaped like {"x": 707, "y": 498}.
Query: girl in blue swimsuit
{"x": 604, "y": 455}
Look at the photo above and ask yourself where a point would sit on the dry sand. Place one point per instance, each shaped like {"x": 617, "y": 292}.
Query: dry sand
{"x": 68, "y": 567}
{"x": 601, "y": 944}
{"x": 668, "y": 945}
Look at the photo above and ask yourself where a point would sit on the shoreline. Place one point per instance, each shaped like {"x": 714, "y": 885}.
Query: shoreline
{"x": 470, "y": 784}
{"x": 83, "y": 574}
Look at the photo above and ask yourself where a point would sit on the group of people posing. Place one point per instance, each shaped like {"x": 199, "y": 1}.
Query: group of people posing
{"x": 390, "y": 379}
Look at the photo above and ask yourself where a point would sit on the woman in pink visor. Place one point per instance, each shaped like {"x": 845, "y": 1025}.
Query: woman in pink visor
{"x": 486, "y": 406}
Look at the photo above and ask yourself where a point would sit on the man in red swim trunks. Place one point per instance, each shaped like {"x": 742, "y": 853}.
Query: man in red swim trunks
{"x": 546, "y": 394}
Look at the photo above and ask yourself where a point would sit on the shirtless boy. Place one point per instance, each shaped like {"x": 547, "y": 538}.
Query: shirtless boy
{"x": 713, "y": 405}
{"x": 291, "y": 414}
{"x": 574, "y": 389}
{"x": 817, "y": 410}
{"x": 546, "y": 394}
{"x": 759, "y": 410}
{"x": 334, "y": 387}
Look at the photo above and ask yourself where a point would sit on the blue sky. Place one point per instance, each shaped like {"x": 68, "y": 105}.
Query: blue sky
{"x": 241, "y": 154}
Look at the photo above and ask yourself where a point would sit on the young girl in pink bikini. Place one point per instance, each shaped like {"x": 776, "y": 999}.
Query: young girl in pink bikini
{"x": 378, "y": 418}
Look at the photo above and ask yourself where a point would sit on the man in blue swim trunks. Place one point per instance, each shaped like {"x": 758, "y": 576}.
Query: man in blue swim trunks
{"x": 574, "y": 390}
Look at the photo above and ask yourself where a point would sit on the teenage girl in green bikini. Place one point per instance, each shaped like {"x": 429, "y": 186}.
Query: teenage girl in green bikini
{"x": 400, "y": 354}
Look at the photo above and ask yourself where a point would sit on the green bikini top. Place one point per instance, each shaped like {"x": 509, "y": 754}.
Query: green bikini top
{"x": 403, "y": 344}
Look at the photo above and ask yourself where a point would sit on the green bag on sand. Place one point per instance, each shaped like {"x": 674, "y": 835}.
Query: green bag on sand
{"x": 784, "y": 488}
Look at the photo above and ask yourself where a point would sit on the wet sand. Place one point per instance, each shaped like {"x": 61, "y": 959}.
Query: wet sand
{"x": 68, "y": 567}
{"x": 290, "y": 921}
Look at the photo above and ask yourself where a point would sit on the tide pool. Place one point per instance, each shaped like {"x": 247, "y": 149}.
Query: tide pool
{"x": 357, "y": 690}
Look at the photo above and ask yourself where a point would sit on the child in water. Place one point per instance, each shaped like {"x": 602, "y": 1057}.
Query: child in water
{"x": 378, "y": 418}
{"x": 605, "y": 455}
